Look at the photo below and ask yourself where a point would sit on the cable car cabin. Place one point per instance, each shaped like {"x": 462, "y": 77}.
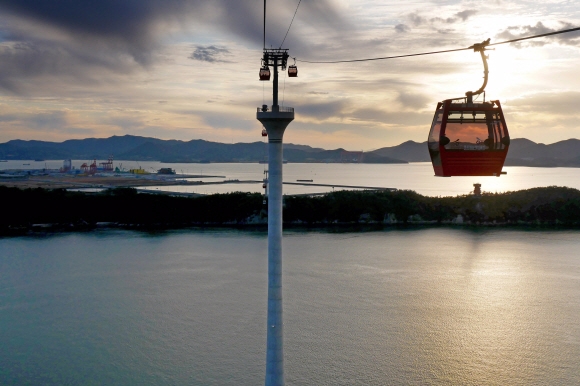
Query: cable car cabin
{"x": 468, "y": 139}
{"x": 264, "y": 133}
{"x": 292, "y": 71}
{"x": 264, "y": 73}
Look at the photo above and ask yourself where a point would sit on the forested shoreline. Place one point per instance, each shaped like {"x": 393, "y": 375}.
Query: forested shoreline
{"x": 36, "y": 209}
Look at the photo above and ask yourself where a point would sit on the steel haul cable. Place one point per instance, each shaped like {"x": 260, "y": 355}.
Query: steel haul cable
{"x": 290, "y": 23}
{"x": 443, "y": 51}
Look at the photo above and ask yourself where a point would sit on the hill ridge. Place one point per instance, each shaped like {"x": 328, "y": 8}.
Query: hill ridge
{"x": 523, "y": 152}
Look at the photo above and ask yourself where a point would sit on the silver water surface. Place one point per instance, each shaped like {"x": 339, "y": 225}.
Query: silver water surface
{"x": 415, "y": 176}
{"x": 416, "y": 307}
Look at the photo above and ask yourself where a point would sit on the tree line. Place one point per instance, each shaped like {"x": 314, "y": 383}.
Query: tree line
{"x": 125, "y": 207}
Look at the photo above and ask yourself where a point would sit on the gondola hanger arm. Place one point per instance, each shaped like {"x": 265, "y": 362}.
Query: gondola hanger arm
{"x": 481, "y": 48}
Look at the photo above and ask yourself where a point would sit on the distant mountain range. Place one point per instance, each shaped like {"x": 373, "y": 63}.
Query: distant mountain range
{"x": 523, "y": 152}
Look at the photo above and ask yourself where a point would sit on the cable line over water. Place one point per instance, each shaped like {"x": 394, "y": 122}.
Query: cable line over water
{"x": 442, "y": 51}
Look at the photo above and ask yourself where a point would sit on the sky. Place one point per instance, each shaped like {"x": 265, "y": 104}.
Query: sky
{"x": 188, "y": 69}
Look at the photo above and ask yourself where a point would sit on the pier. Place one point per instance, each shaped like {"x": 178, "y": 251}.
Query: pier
{"x": 147, "y": 182}
{"x": 340, "y": 186}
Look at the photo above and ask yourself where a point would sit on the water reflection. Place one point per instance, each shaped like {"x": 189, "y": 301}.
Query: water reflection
{"x": 418, "y": 306}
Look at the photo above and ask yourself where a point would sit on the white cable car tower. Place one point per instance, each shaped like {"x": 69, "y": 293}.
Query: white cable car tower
{"x": 275, "y": 119}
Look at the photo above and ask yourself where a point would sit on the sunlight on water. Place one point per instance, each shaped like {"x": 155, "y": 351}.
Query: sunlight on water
{"x": 415, "y": 307}
{"x": 415, "y": 176}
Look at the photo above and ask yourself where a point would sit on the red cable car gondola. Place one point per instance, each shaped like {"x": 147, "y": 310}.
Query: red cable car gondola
{"x": 264, "y": 133}
{"x": 466, "y": 138}
{"x": 293, "y": 70}
{"x": 264, "y": 73}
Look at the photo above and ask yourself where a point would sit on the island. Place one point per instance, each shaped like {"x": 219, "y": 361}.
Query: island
{"x": 29, "y": 210}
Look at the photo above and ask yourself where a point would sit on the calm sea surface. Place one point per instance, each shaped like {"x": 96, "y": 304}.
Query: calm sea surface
{"x": 415, "y": 176}
{"x": 436, "y": 306}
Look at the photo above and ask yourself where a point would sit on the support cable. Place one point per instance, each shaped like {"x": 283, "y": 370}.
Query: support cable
{"x": 443, "y": 51}
{"x": 284, "y": 89}
{"x": 290, "y": 22}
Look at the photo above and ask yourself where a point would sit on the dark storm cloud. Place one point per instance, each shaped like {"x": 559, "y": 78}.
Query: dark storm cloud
{"x": 43, "y": 59}
{"x": 73, "y": 37}
{"x": 133, "y": 23}
{"x": 211, "y": 54}
{"x": 515, "y": 32}
{"x": 125, "y": 24}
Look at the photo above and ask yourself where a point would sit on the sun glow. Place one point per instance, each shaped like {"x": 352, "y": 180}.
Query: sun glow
{"x": 510, "y": 71}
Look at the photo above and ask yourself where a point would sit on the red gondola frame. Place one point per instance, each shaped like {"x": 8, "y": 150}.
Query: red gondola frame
{"x": 480, "y": 157}
{"x": 264, "y": 73}
{"x": 455, "y": 158}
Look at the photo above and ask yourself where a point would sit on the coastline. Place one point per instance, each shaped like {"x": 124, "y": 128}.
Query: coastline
{"x": 35, "y": 230}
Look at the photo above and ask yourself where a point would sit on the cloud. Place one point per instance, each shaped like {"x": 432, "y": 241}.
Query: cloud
{"x": 41, "y": 121}
{"x": 128, "y": 26}
{"x": 8, "y": 118}
{"x": 464, "y": 15}
{"x": 391, "y": 118}
{"x": 37, "y": 58}
{"x": 550, "y": 103}
{"x": 412, "y": 100}
{"x": 516, "y": 32}
{"x": 72, "y": 38}
{"x": 401, "y": 28}
{"x": 220, "y": 121}
{"x": 211, "y": 54}
{"x": 323, "y": 110}
{"x": 49, "y": 120}
{"x": 137, "y": 25}
{"x": 417, "y": 20}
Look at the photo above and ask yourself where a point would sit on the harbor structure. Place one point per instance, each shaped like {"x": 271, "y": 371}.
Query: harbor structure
{"x": 93, "y": 167}
{"x": 66, "y": 166}
{"x": 107, "y": 166}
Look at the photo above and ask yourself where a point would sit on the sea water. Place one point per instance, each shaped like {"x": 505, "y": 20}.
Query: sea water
{"x": 414, "y": 176}
{"x": 434, "y": 306}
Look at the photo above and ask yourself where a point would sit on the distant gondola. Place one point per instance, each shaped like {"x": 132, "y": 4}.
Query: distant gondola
{"x": 264, "y": 73}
